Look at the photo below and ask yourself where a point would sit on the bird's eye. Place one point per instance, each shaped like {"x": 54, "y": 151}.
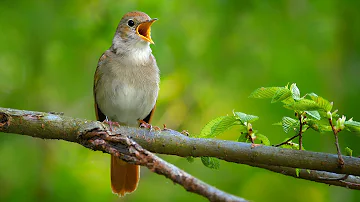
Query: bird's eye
{"x": 131, "y": 23}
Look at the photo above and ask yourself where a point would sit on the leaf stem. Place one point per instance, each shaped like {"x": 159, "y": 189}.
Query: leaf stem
{"x": 293, "y": 137}
{"x": 336, "y": 131}
{"x": 300, "y": 131}
{"x": 250, "y": 132}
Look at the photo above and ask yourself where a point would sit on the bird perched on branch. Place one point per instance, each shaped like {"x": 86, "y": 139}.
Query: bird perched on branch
{"x": 126, "y": 86}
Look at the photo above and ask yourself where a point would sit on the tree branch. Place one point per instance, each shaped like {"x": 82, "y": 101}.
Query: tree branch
{"x": 128, "y": 150}
{"x": 342, "y": 180}
{"x": 95, "y": 136}
{"x": 284, "y": 161}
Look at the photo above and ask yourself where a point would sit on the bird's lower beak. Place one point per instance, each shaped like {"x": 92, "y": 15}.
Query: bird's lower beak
{"x": 144, "y": 30}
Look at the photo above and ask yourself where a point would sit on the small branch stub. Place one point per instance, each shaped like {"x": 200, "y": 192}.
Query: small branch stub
{"x": 4, "y": 120}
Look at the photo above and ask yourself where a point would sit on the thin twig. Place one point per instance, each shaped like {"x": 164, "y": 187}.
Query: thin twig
{"x": 250, "y": 132}
{"x": 287, "y": 141}
{"x": 351, "y": 184}
{"x": 300, "y": 131}
{"x": 340, "y": 159}
{"x": 349, "y": 181}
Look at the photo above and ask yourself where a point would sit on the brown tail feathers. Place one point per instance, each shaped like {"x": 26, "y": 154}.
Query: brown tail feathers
{"x": 124, "y": 177}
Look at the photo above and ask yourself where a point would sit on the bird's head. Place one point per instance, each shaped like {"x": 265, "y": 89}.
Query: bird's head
{"x": 134, "y": 31}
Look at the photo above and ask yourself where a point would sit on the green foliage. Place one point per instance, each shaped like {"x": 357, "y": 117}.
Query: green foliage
{"x": 314, "y": 114}
{"x": 318, "y": 126}
{"x": 281, "y": 95}
{"x": 296, "y": 103}
{"x": 213, "y": 129}
{"x": 210, "y": 162}
{"x": 290, "y": 124}
{"x": 244, "y": 118}
{"x": 295, "y": 92}
{"x": 267, "y": 92}
{"x": 353, "y": 126}
{"x": 190, "y": 159}
{"x": 311, "y": 111}
{"x": 263, "y": 139}
{"x": 321, "y": 102}
{"x": 303, "y": 105}
{"x": 348, "y": 151}
{"x": 218, "y": 126}
{"x": 297, "y": 170}
{"x": 221, "y": 124}
{"x": 243, "y": 138}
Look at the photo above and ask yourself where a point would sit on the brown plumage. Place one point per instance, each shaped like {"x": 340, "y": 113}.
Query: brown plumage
{"x": 126, "y": 85}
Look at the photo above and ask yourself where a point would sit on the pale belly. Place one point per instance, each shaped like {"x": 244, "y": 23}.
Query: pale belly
{"x": 125, "y": 103}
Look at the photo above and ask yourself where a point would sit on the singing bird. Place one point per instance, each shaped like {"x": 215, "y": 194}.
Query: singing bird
{"x": 126, "y": 86}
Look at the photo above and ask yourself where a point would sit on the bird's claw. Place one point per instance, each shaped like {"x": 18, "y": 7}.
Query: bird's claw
{"x": 143, "y": 124}
{"x": 111, "y": 123}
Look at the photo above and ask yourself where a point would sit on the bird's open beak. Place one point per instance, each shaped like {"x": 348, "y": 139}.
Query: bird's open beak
{"x": 144, "y": 30}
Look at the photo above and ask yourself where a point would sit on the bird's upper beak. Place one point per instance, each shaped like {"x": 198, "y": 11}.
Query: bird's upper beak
{"x": 144, "y": 30}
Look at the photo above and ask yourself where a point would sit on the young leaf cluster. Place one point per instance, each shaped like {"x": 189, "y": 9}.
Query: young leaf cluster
{"x": 221, "y": 124}
{"x": 314, "y": 107}
{"x": 311, "y": 111}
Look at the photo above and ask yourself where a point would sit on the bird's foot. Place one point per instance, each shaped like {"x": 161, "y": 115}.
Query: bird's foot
{"x": 111, "y": 123}
{"x": 143, "y": 124}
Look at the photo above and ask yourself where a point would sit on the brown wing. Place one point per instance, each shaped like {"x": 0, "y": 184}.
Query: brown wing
{"x": 99, "y": 115}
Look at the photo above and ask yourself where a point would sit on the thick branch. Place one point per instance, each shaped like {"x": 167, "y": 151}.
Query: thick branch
{"x": 99, "y": 138}
{"x": 51, "y": 126}
{"x": 128, "y": 150}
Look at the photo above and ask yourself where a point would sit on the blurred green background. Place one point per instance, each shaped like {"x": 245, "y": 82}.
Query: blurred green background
{"x": 212, "y": 55}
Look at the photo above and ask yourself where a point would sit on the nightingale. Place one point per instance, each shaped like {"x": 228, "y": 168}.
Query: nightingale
{"x": 126, "y": 85}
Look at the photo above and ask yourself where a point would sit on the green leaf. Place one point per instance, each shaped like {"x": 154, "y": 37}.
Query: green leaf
{"x": 210, "y": 162}
{"x": 297, "y": 171}
{"x": 281, "y": 95}
{"x": 265, "y": 92}
{"x": 303, "y": 105}
{"x": 315, "y": 125}
{"x": 288, "y": 101}
{"x": 246, "y": 117}
{"x": 295, "y": 92}
{"x": 263, "y": 139}
{"x": 242, "y": 138}
{"x": 353, "y": 126}
{"x": 290, "y": 124}
{"x": 321, "y": 102}
{"x": 218, "y": 126}
{"x": 348, "y": 151}
{"x": 190, "y": 159}
{"x": 314, "y": 114}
